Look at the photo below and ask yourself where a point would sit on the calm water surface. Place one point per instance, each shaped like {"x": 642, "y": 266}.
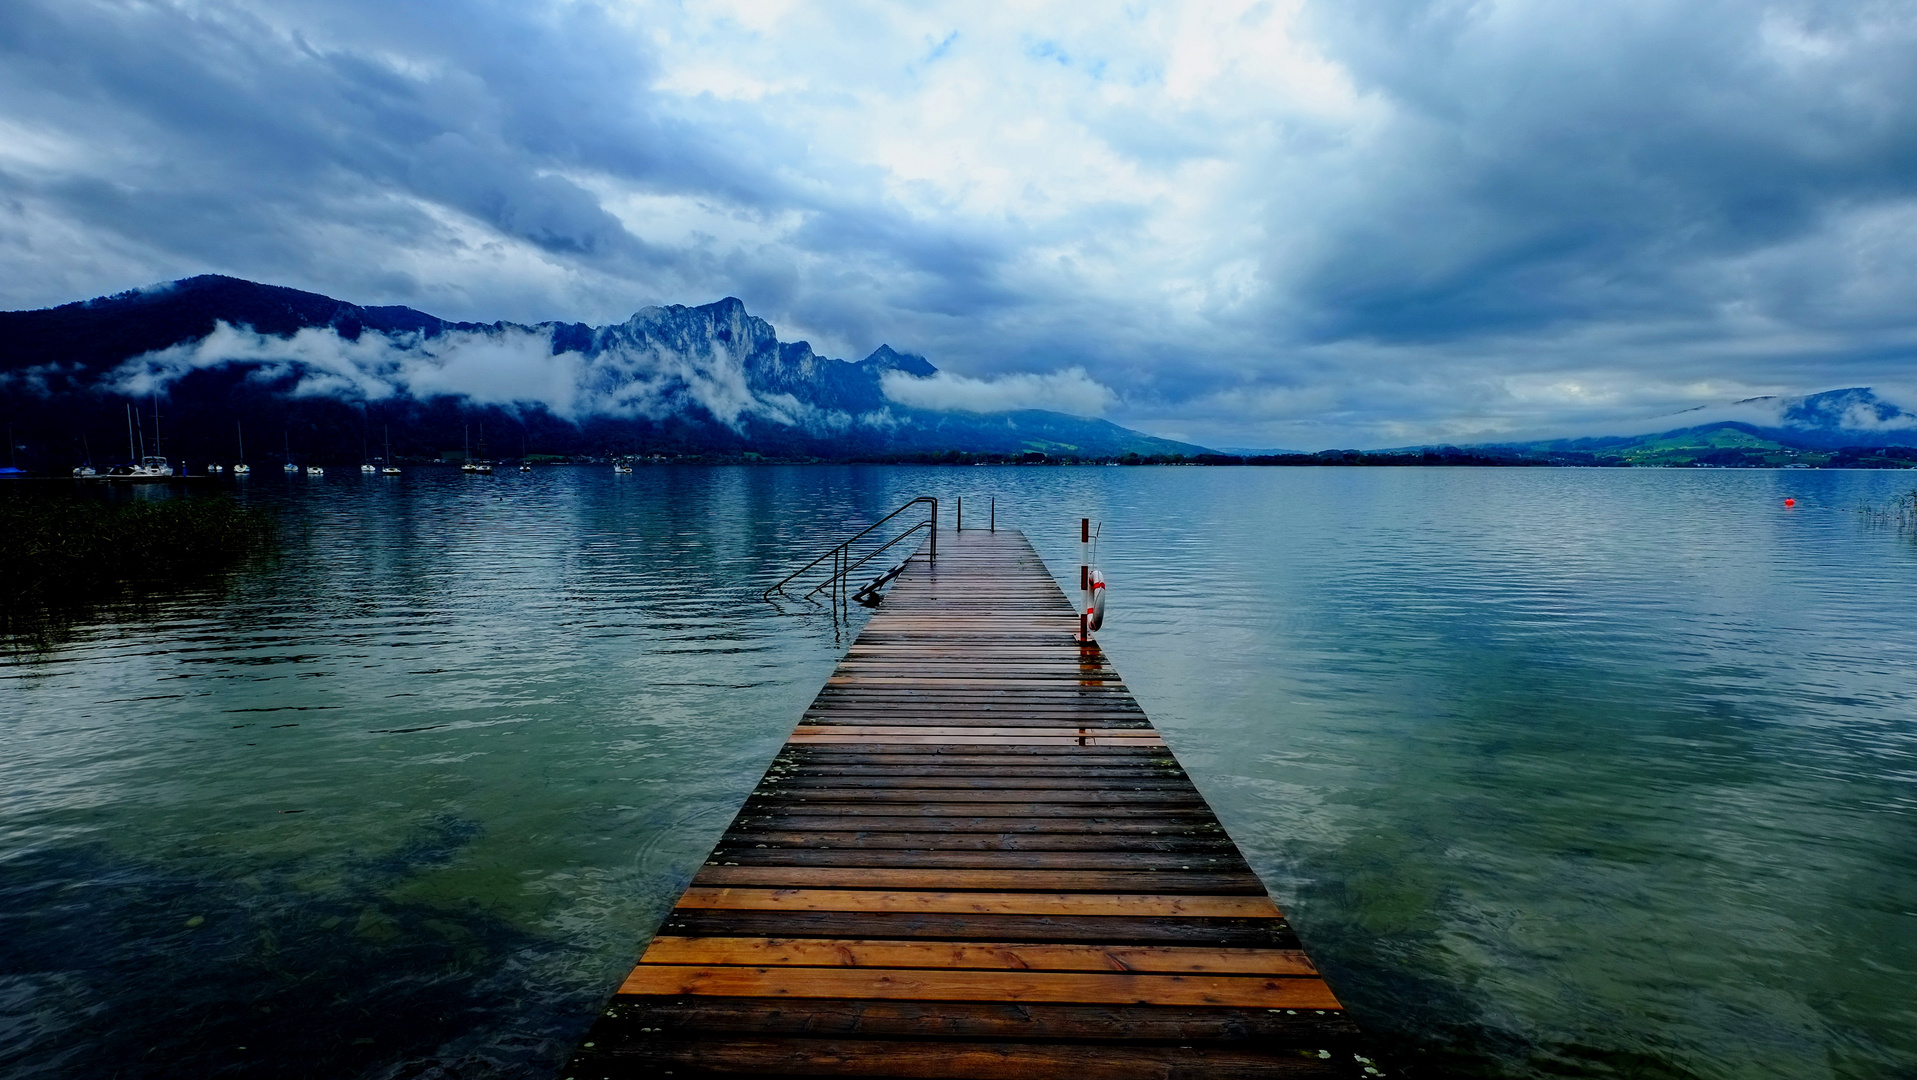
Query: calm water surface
{"x": 1559, "y": 772}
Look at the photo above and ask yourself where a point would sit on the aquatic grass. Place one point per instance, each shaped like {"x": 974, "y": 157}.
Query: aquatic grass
{"x": 62, "y": 557}
{"x": 1900, "y": 513}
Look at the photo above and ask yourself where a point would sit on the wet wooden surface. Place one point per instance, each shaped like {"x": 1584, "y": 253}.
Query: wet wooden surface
{"x": 974, "y": 858}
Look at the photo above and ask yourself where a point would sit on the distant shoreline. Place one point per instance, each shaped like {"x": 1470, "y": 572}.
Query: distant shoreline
{"x": 1867, "y": 462}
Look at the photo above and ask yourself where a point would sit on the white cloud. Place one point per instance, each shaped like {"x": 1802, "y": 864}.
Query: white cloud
{"x": 508, "y": 367}
{"x": 511, "y": 367}
{"x": 1068, "y": 391}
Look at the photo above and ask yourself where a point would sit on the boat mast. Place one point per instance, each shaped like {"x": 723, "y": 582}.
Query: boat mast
{"x": 238, "y": 427}
{"x": 129, "y": 432}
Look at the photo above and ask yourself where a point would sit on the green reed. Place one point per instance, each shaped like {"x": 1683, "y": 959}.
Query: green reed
{"x": 62, "y": 557}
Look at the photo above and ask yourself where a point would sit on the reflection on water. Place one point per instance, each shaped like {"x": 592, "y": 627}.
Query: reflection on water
{"x": 1589, "y": 773}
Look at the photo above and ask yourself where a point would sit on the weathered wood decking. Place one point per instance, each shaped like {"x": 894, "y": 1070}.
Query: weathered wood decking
{"x": 974, "y": 858}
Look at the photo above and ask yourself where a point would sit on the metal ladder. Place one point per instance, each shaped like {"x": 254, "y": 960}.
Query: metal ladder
{"x": 843, "y": 563}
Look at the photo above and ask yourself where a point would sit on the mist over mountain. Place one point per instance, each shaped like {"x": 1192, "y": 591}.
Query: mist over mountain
{"x": 1833, "y": 427}
{"x": 327, "y": 380}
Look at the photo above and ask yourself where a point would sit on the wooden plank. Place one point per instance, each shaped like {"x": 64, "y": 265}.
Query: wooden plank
{"x": 1066, "y": 778}
{"x": 999, "y": 859}
{"x": 995, "y": 879}
{"x": 933, "y": 683}
{"x": 981, "y": 903}
{"x": 975, "y": 780}
{"x": 1092, "y": 824}
{"x": 752, "y": 836}
{"x": 679, "y": 1015}
{"x": 1176, "y": 815}
{"x": 980, "y": 729}
{"x": 915, "y": 984}
{"x": 946, "y": 717}
{"x": 1011, "y": 956}
{"x": 695, "y": 1059}
{"x": 1080, "y": 796}
{"x": 1103, "y": 739}
{"x": 1122, "y": 756}
{"x": 1108, "y": 929}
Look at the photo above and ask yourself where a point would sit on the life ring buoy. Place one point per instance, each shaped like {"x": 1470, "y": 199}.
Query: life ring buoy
{"x": 1095, "y": 615}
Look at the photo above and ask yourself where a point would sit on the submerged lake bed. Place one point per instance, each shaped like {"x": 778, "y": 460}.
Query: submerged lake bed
{"x": 1557, "y": 772}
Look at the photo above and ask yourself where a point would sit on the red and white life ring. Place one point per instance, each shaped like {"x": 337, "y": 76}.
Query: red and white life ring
{"x": 1095, "y": 615}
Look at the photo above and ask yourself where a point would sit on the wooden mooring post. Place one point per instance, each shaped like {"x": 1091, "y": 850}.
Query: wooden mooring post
{"x": 974, "y": 859}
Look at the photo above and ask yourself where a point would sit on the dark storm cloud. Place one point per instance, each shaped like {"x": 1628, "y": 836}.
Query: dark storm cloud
{"x": 1557, "y": 164}
{"x": 249, "y": 128}
{"x": 218, "y": 135}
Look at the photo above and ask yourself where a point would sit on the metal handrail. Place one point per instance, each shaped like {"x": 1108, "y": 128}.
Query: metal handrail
{"x": 840, "y": 553}
{"x": 846, "y": 571}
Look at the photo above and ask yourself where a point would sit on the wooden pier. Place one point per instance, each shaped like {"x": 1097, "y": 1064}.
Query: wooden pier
{"x": 974, "y": 858}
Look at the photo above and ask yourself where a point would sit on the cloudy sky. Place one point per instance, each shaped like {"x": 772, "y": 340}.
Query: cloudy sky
{"x": 1350, "y": 223}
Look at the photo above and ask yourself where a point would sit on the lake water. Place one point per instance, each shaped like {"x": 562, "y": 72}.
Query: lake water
{"x": 1588, "y": 773}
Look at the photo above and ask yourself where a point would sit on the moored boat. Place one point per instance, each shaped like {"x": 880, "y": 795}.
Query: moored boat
{"x": 479, "y": 464}
{"x": 151, "y": 467}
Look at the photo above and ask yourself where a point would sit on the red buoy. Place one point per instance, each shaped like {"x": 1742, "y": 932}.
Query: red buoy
{"x": 1790, "y": 502}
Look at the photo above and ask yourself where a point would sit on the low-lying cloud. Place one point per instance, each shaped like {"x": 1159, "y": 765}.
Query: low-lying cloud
{"x": 1866, "y": 415}
{"x": 512, "y": 366}
{"x": 1069, "y": 391}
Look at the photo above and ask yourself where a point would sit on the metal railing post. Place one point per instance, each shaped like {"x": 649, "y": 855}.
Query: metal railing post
{"x": 1084, "y": 578}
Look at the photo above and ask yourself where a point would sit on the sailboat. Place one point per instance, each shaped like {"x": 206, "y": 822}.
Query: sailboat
{"x": 87, "y": 469}
{"x": 365, "y": 464}
{"x": 241, "y": 468}
{"x": 390, "y": 469}
{"x": 524, "y": 465}
{"x": 151, "y": 466}
{"x": 472, "y": 466}
{"x": 290, "y": 467}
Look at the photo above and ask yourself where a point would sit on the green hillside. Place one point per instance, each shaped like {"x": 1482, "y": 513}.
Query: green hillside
{"x": 1724, "y": 445}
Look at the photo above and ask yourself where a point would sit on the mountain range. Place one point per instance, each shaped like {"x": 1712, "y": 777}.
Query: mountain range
{"x": 319, "y": 379}
{"x": 312, "y": 378}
